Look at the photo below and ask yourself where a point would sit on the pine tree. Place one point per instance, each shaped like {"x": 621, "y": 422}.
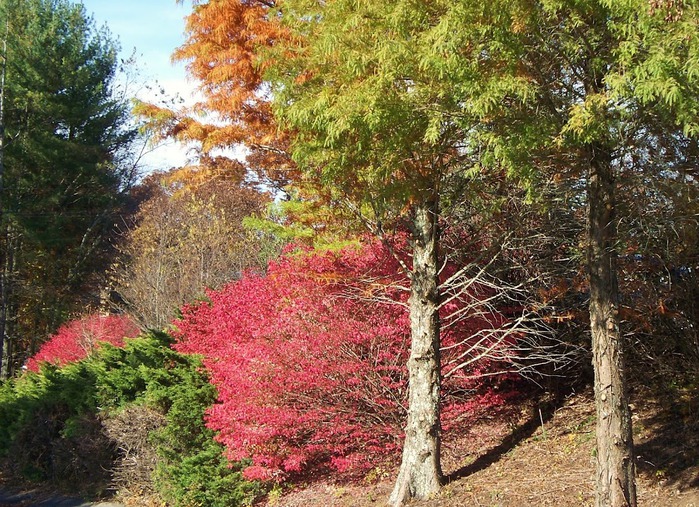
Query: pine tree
{"x": 64, "y": 131}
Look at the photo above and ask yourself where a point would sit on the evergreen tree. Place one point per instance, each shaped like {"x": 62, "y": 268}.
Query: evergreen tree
{"x": 612, "y": 103}
{"x": 64, "y": 133}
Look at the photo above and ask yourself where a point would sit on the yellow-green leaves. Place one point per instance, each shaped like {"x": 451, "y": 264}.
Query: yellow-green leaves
{"x": 656, "y": 62}
{"x": 588, "y": 121}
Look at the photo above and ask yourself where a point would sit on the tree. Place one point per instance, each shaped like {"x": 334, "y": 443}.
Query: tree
{"x": 366, "y": 132}
{"x": 611, "y": 87}
{"x": 63, "y": 178}
{"x": 373, "y": 127}
{"x": 375, "y": 122}
{"x": 220, "y": 50}
{"x": 188, "y": 237}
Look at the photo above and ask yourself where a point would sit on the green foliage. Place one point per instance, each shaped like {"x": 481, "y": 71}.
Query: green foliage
{"x": 66, "y": 131}
{"x": 54, "y": 390}
{"x": 192, "y": 470}
{"x": 141, "y": 372}
{"x": 50, "y": 430}
{"x": 277, "y": 227}
{"x": 301, "y": 221}
{"x": 44, "y": 415}
{"x": 370, "y": 120}
{"x": 201, "y": 476}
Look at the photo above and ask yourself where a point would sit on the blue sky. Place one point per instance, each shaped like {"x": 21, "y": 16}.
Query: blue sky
{"x": 154, "y": 28}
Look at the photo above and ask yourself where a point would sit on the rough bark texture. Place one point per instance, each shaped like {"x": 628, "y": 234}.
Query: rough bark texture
{"x": 615, "y": 460}
{"x": 420, "y": 473}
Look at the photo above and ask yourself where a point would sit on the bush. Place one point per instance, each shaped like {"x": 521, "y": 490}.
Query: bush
{"x": 66, "y": 425}
{"x": 79, "y": 338}
{"x": 309, "y": 362}
{"x": 190, "y": 469}
{"x": 50, "y": 431}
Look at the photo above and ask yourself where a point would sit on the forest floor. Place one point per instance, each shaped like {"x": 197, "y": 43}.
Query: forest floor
{"x": 538, "y": 453}
{"x": 544, "y": 456}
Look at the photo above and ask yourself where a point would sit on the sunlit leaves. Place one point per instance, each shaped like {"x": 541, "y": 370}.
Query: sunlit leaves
{"x": 309, "y": 362}
{"x": 78, "y": 338}
{"x": 587, "y": 121}
{"x": 221, "y": 50}
{"x": 371, "y": 113}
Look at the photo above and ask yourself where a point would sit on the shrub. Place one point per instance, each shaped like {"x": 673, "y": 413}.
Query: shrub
{"x": 309, "y": 362}
{"x": 50, "y": 431}
{"x": 190, "y": 468}
{"x": 79, "y": 338}
{"x": 75, "y": 425}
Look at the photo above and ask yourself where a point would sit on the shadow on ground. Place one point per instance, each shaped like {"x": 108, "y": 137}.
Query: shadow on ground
{"x": 668, "y": 447}
{"x": 541, "y": 415}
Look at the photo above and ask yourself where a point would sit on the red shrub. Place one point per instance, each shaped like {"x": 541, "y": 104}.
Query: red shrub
{"x": 309, "y": 362}
{"x": 76, "y": 339}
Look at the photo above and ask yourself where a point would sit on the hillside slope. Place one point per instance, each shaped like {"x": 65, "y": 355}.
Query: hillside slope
{"x": 522, "y": 462}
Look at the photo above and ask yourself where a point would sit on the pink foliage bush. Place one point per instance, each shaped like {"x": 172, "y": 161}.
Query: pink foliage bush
{"x": 310, "y": 363}
{"x": 76, "y": 339}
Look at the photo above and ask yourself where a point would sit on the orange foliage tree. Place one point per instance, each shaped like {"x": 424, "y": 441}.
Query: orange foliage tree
{"x": 233, "y": 120}
{"x": 234, "y": 109}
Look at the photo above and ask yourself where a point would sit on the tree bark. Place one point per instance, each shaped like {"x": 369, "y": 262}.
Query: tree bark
{"x": 420, "y": 473}
{"x": 5, "y": 354}
{"x": 615, "y": 460}
{"x": 5, "y": 350}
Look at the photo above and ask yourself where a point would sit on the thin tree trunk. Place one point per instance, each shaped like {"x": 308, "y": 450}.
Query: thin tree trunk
{"x": 615, "y": 460}
{"x": 5, "y": 355}
{"x": 8, "y": 306}
{"x": 420, "y": 473}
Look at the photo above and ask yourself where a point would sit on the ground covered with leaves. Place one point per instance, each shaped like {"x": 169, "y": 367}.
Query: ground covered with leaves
{"x": 543, "y": 454}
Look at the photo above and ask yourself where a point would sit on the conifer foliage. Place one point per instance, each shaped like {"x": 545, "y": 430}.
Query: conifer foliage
{"x": 220, "y": 52}
{"x": 309, "y": 362}
{"x": 66, "y": 139}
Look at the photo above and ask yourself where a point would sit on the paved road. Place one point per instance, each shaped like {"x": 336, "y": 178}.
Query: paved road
{"x": 30, "y": 500}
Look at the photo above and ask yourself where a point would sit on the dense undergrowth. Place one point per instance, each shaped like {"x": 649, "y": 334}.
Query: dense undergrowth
{"x": 286, "y": 377}
{"x": 128, "y": 417}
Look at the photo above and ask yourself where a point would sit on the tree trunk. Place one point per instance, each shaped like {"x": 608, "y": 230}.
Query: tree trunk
{"x": 5, "y": 354}
{"x": 420, "y": 473}
{"x": 5, "y": 350}
{"x": 615, "y": 459}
